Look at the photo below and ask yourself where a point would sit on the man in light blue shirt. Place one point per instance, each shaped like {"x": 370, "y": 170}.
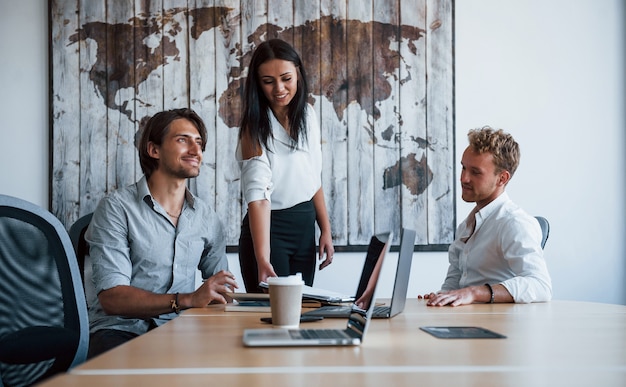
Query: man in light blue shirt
{"x": 148, "y": 240}
{"x": 497, "y": 254}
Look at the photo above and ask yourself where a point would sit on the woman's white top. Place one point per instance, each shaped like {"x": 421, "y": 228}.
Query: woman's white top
{"x": 283, "y": 174}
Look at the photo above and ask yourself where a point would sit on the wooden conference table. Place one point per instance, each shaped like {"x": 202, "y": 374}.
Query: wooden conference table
{"x": 560, "y": 343}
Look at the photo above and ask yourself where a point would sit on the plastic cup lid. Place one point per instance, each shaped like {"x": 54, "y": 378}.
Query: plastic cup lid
{"x": 289, "y": 280}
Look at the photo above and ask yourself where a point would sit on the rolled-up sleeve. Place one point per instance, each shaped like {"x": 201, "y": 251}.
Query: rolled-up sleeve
{"x": 521, "y": 245}
{"x": 505, "y": 248}
{"x": 256, "y": 179}
{"x": 108, "y": 244}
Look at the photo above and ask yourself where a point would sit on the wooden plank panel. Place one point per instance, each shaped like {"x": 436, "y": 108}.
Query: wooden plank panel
{"x": 254, "y": 15}
{"x": 203, "y": 19}
{"x": 227, "y": 185}
{"x": 385, "y": 67}
{"x": 370, "y": 97}
{"x": 280, "y": 14}
{"x": 306, "y": 41}
{"x": 175, "y": 65}
{"x": 121, "y": 152}
{"x": 332, "y": 103}
{"x": 65, "y": 111}
{"x": 415, "y": 173}
{"x": 440, "y": 123}
{"x": 148, "y": 62}
{"x": 93, "y": 111}
{"x": 360, "y": 127}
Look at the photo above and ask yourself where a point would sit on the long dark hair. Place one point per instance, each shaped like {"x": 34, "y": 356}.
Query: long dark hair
{"x": 255, "y": 121}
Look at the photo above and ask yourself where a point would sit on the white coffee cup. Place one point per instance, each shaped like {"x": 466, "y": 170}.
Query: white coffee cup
{"x": 286, "y": 300}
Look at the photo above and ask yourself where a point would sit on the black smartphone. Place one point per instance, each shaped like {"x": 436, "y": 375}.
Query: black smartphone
{"x": 303, "y": 319}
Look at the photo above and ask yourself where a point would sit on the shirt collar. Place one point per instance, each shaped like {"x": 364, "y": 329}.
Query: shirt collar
{"x": 278, "y": 131}
{"x": 491, "y": 208}
{"x": 280, "y": 134}
{"x": 143, "y": 193}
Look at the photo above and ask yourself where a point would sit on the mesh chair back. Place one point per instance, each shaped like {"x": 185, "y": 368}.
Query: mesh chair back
{"x": 81, "y": 248}
{"x": 545, "y": 229}
{"x": 44, "y": 327}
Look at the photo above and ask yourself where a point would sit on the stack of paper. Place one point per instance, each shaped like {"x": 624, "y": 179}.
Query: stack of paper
{"x": 329, "y": 296}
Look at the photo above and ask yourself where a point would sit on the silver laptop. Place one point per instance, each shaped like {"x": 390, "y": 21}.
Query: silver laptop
{"x": 353, "y": 334}
{"x": 401, "y": 283}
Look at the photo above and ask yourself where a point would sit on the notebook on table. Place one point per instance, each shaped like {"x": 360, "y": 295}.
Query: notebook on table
{"x": 316, "y": 294}
{"x": 401, "y": 282}
{"x": 357, "y": 322}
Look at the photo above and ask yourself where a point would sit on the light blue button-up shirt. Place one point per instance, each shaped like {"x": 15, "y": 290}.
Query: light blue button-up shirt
{"x": 133, "y": 242}
{"x": 504, "y": 248}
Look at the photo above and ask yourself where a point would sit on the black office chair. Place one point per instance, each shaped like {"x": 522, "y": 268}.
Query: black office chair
{"x": 545, "y": 229}
{"x": 44, "y": 328}
{"x": 81, "y": 248}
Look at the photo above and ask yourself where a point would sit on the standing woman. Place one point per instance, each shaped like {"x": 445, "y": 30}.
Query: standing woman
{"x": 280, "y": 156}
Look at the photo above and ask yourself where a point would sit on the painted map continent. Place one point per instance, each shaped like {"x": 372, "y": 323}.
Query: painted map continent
{"x": 144, "y": 44}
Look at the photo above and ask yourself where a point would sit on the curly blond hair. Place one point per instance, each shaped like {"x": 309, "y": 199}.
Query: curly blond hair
{"x": 501, "y": 145}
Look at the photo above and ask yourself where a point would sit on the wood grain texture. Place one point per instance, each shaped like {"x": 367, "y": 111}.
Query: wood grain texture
{"x": 381, "y": 81}
{"x": 361, "y": 140}
{"x": 65, "y": 112}
{"x": 543, "y": 348}
{"x": 413, "y": 136}
{"x": 387, "y": 129}
{"x": 440, "y": 121}
{"x": 333, "y": 70}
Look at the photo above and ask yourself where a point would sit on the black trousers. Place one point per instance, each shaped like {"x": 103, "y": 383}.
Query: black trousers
{"x": 292, "y": 244}
{"x": 105, "y": 339}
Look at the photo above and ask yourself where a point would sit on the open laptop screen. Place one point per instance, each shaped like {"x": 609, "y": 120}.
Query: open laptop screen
{"x": 378, "y": 247}
{"x": 356, "y": 326}
{"x": 374, "y": 249}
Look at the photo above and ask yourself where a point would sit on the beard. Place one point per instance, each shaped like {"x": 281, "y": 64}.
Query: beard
{"x": 186, "y": 173}
{"x": 179, "y": 171}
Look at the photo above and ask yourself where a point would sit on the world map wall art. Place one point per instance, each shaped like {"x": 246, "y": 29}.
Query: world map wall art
{"x": 381, "y": 76}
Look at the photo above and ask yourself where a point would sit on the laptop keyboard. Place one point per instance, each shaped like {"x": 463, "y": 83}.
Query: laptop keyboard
{"x": 321, "y": 334}
{"x": 381, "y": 310}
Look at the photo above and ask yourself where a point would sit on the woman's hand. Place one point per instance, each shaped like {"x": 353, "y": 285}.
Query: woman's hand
{"x": 326, "y": 251}
{"x": 265, "y": 270}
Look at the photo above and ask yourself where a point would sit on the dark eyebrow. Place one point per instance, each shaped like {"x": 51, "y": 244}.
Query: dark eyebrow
{"x": 281, "y": 75}
{"x": 188, "y": 136}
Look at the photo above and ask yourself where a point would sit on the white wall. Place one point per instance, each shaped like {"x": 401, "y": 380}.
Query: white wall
{"x": 548, "y": 71}
{"x": 24, "y": 100}
{"x": 552, "y": 73}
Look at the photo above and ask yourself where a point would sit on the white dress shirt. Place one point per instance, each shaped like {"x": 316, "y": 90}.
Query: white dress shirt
{"x": 281, "y": 174}
{"x": 504, "y": 248}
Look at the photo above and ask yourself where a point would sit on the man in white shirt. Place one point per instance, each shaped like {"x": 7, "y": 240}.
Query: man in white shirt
{"x": 497, "y": 254}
